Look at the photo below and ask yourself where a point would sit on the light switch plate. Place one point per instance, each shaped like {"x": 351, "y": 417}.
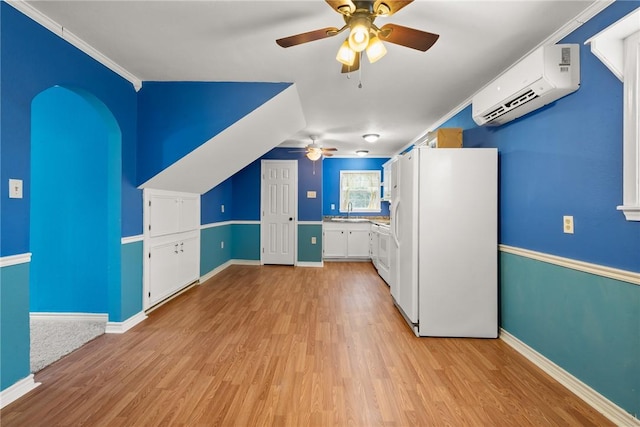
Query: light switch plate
{"x": 15, "y": 189}
{"x": 313, "y": 240}
{"x": 222, "y": 208}
{"x": 311, "y": 194}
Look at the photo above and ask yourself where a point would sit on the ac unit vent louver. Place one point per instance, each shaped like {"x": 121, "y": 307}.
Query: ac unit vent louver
{"x": 547, "y": 74}
{"x": 503, "y": 109}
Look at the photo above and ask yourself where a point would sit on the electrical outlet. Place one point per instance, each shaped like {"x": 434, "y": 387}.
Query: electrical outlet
{"x": 222, "y": 244}
{"x": 222, "y": 208}
{"x": 313, "y": 240}
{"x": 567, "y": 221}
{"x": 333, "y": 206}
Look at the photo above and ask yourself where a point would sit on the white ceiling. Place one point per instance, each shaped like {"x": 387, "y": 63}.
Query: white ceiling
{"x": 402, "y": 95}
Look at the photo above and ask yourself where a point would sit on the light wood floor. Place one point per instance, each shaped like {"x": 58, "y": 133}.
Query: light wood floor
{"x": 273, "y": 345}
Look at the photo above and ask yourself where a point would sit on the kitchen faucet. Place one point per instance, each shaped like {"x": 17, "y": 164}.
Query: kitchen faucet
{"x": 349, "y": 208}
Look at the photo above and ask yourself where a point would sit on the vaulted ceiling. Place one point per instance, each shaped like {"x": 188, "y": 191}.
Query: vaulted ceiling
{"x": 402, "y": 96}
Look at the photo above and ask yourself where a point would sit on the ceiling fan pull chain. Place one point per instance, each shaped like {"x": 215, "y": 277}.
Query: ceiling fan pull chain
{"x": 360, "y": 72}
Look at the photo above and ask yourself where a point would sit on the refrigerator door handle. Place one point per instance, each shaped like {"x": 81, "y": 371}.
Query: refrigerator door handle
{"x": 394, "y": 231}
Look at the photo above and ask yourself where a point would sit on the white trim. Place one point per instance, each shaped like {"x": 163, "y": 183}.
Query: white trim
{"x": 17, "y": 390}
{"x": 215, "y": 224}
{"x": 600, "y": 403}
{"x": 122, "y": 327}
{"x": 245, "y": 262}
{"x": 586, "y": 267}
{"x": 245, "y": 222}
{"x": 74, "y": 40}
{"x": 8, "y": 261}
{"x": 309, "y": 264}
{"x": 86, "y": 317}
{"x": 310, "y": 222}
{"x": 132, "y": 239}
{"x": 584, "y": 16}
{"x": 608, "y": 44}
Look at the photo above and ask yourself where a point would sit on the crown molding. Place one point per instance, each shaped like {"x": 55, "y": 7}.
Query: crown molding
{"x": 74, "y": 40}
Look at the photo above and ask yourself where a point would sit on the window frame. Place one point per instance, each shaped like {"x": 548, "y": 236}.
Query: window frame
{"x": 343, "y": 203}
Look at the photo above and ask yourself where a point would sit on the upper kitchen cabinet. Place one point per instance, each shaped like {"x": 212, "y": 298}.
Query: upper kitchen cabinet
{"x": 171, "y": 212}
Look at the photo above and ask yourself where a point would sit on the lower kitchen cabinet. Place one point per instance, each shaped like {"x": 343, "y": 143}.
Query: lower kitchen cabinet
{"x": 346, "y": 240}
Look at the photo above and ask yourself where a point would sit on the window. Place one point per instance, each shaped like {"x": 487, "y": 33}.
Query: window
{"x": 618, "y": 47}
{"x": 360, "y": 191}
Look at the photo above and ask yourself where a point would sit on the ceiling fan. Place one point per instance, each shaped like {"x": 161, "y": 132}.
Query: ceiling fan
{"x": 359, "y": 17}
{"x": 314, "y": 151}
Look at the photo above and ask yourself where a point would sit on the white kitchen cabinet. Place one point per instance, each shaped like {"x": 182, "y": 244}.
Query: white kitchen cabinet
{"x": 170, "y": 212}
{"x": 173, "y": 264}
{"x": 171, "y": 243}
{"x": 334, "y": 242}
{"x": 388, "y": 179}
{"x": 374, "y": 237}
{"x": 346, "y": 240}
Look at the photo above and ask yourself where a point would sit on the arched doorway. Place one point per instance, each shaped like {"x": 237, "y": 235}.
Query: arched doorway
{"x": 75, "y": 203}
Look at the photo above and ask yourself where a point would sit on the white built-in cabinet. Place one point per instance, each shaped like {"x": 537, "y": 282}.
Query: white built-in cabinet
{"x": 346, "y": 240}
{"x": 171, "y": 243}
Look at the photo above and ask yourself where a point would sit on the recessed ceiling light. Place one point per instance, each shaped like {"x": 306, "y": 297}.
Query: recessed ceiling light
{"x": 362, "y": 153}
{"x": 371, "y": 137}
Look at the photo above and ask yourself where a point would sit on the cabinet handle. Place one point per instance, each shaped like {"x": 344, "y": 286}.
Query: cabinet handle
{"x": 176, "y": 248}
{"x": 182, "y": 247}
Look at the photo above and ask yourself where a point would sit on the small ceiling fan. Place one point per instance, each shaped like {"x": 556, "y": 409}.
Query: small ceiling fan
{"x": 359, "y": 17}
{"x": 314, "y": 151}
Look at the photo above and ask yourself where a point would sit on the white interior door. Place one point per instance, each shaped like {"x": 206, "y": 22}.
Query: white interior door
{"x": 279, "y": 211}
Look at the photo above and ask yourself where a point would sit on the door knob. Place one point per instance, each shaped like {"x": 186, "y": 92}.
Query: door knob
{"x": 291, "y": 219}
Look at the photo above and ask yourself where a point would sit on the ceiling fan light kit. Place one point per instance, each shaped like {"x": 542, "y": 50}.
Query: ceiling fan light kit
{"x": 314, "y": 154}
{"x": 364, "y": 34}
{"x": 346, "y": 55}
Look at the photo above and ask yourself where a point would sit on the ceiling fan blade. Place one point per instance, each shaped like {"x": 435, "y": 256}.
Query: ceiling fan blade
{"x": 352, "y": 68}
{"x": 329, "y": 149}
{"x": 394, "y": 6}
{"x": 345, "y": 7}
{"x": 327, "y": 154}
{"x": 409, "y": 37}
{"x": 307, "y": 37}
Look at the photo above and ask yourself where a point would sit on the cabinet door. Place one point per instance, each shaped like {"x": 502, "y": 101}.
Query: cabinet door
{"x": 163, "y": 271}
{"x": 383, "y": 250}
{"x": 358, "y": 243}
{"x": 189, "y": 260}
{"x": 163, "y": 215}
{"x": 334, "y": 243}
{"x": 189, "y": 212}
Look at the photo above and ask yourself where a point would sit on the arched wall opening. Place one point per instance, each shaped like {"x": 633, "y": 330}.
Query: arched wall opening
{"x": 75, "y": 216}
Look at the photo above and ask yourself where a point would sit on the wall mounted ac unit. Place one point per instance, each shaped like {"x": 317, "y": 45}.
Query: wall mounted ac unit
{"x": 547, "y": 74}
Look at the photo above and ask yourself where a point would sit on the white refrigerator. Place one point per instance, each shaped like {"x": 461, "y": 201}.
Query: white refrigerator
{"x": 444, "y": 217}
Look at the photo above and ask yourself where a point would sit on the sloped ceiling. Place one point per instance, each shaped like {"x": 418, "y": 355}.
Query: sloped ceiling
{"x": 235, "y": 147}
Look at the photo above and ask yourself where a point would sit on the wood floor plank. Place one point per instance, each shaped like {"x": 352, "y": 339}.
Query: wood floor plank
{"x": 289, "y": 346}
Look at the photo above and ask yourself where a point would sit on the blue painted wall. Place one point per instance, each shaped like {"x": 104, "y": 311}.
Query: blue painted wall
{"x": 75, "y": 204}
{"x": 127, "y": 297}
{"x": 39, "y": 60}
{"x": 331, "y": 182}
{"x": 14, "y": 324}
{"x": 177, "y": 117}
{"x": 566, "y": 159}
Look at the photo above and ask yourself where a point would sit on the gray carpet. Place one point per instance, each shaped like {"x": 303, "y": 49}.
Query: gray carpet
{"x": 53, "y": 338}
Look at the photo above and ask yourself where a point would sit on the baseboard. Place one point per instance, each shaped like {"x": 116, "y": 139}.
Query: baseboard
{"x": 16, "y": 391}
{"x": 122, "y": 327}
{"x": 310, "y": 264}
{"x": 600, "y": 403}
{"x": 215, "y": 271}
{"x": 86, "y": 317}
{"x": 221, "y": 267}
